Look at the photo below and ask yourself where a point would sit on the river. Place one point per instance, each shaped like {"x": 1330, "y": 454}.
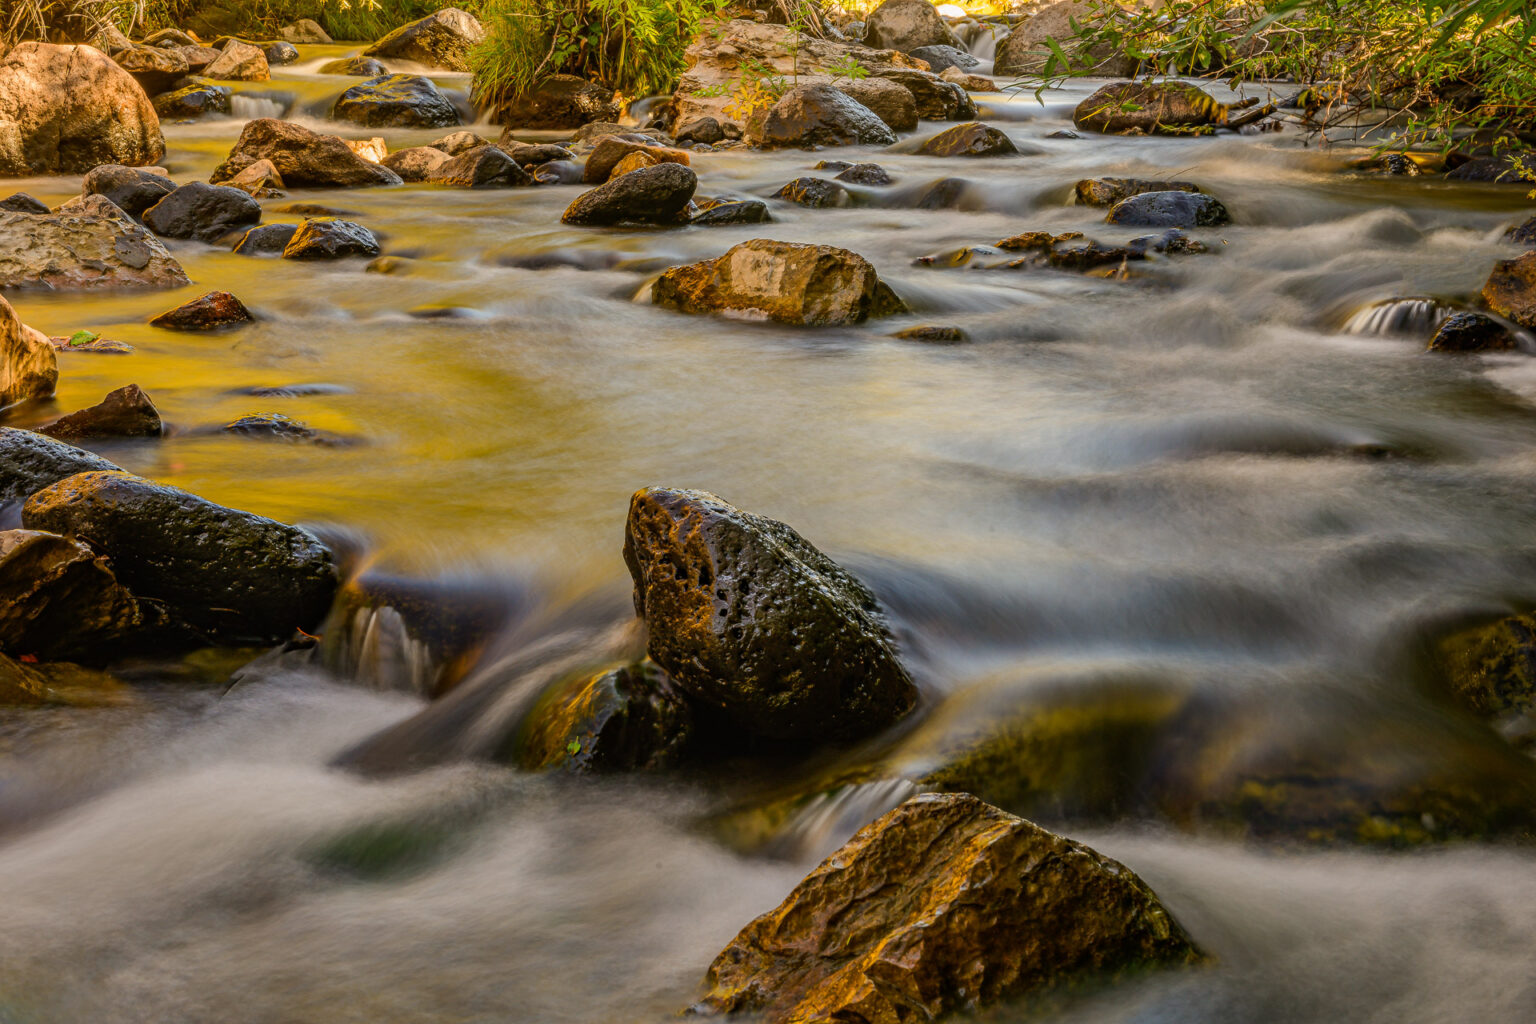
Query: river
{"x": 1197, "y": 475}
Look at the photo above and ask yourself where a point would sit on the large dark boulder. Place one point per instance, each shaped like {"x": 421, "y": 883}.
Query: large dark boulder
{"x": 971, "y": 139}
{"x": 819, "y": 115}
{"x": 304, "y": 158}
{"x": 1169, "y": 210}
{"x": 327, "y": 238}
{"x": 280, "y": 53}
{"x": 658, "y": 194}
{"x": 132, "y": 190}
{"x": 233, "y": 576}
{"x": 483, "y": 167}
{"x": 202, "y": 211}
{"x": 1149, "y": 108}
{"x": 66, "y": 109}
{"x": 29, "y": 462}
{"x": 559, "y": 102}
{"x": 785, "y": 281}
{"x": 58, "y": 599}
{"x": 194, "y": 100}
{"x": 944, "y": 905}
{"x": 1471, "y": 332}
{"x": 396, "y": 101}
{"x": 1511, "y": 289}
{"x": 906, "y": 25}
{"x": 748, "y": 617}
{"x": 442, "y": 39}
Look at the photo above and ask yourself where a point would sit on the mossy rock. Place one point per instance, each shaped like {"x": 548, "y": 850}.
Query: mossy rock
{"x": 1491, "y": 669}
{"x": 629, "y": 718}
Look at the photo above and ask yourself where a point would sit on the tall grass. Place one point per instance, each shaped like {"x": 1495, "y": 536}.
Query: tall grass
{"x": 61, "y": 20}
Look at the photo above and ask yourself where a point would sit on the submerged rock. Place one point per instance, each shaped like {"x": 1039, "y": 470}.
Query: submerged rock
{"x": 305, "y": 159}
{"x": 274, "y": 426}
{"x": 195, "y": 100}
{"x": 326, "y": 238}
{"x": 29, "y": 462}
{"x": 484, "y": 167}
{"x": 907, "y": 25}
{"x": 28, "y": 367}
{"x": 58, "y": 599}
{"x": 88, "y": 243}
{"x": 1169, "y": 210}
{"x": 714, "y": 213}
{"x": 66, "y": 109}
{"x": 1509, "y": 169}
{"x": 1491, "y": 669}
{"x": 749, "y": 618}
{"x": 1471, "y": 332}
{"x": 1109, "y": 191}
{"x": 355, "y": 67}
{"x": 202, "y": 211}
{"x": 126, "y": 412}
{"x": 973, "y": 139}
{"x": 267, "y": 240}
{"x": 1511, "y": 289}
{"x": 864, "y": 174}
{"x": 1523, "y": 234}
{"x": 560, "y": 102}
{"x": 234, "y": 576}
{"x": 651, "y": 195}
{"x": 443, "y": 39}
{"x": 1148, "y": 108}
{"x": 211, "y": 312}
{"x": 626, "y": 719}
{"x": 396, "y": 101}
{"x": 819, "y": 115}
{"x": 814, "y": 192}
{"x": 785, "y": 281}
{"x": 932, "y": 334}
{"x": 944, "y": 905}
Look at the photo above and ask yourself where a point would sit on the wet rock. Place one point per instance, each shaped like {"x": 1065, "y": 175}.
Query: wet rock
{"x": 907, "y": 25}
{"x": 1063, "y": 133}
{"x": 86, "y": 341}
{"x": 892, "y": 102}
{"x": 814, "y": 192}
{"x": 202, "y": 211}
{"x": 1511, "y": 289}
{"x": 486, "y": 167}
{"x": 259, "y": 180}
{"x": 864, "y": 174}
{"x": 155, "y": 69}
{"x": 1472, "y": 332}
{"x": 396, "y": 101}
{"x": 932, "y": 334}
{"x": 650, "y": 195}
{"x": 944, "y": 905}
{"x": 88, "y": 243}
{"x": 274, "y": 426}
{"x": 734, "y": 211}
{"x": 1524, "y": 234}
{"x": 326, "y": 238}
{"x": 193, "y": 101}
{"x": 126, "y": 412}
{"x": 442, "y": 39}
{"x": 1491, "y": 669}
{"x": 304, "y": 158}
{"x": 941, "y": 57}
{"x": 211, "y": 312}
{"x": 29, "y": 462}
{"x": 355, "y": 67}
{"x": 240, "y": 62}
{"x": 458, "y": 143}
{"x": 705, "y": 130}
{"x": 944, "y": 194}
{"x": 416, "y": 163}
{"x": 937, "y": 100}
{"x": 66, "y": 109}
{"x": 61, "y": 683}
{"x": 131, "y": 189}
{"x": 280, "y": 53}
{"x": 1026, "y": 48}
{"x": 20, "y": 202}
{"x": 28, "y": 368}
{"x": 1148, "y": 108}
{"x": 560, "y": 102}
{"x": 819, "y": 115}
{"x": 973, "y": 139}
{"x": 266, "y": 240}
{"x": 558, "y": 172}
{"x": 305, "y": 30}
{"x": 611, "y": 150}
{"x": 1509, "y": 169}
{"x": 1173, "y": 242}
{"x": 233, "y": 576}
{"x": 784, "y": 281}
{"x": 1399, "y": 164}
{"x": 58, "y": 599}
{"x": 1170, "y": 210}
{"x": 1109, "y": 191}
{"x": 531, "y": 155}
{"x": 750, "y": 619}
{"x": 626, "y": 719}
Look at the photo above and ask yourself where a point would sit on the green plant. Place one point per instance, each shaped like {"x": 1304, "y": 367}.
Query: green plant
{"x": 634, "y": 47}
{"x": 847, "y": 66}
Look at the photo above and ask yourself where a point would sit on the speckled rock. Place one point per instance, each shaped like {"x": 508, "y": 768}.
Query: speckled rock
{"x": 814, "y": 192}
{"x": 626, "y": 719}
{"x": 1511, "y": 289}
{"x": 1471, "y": 332}
{"x": 355, "y": 67}
{"x": 971, "y": 139}
{"x": 214, "y": 311}
{"x": 266, "y": 240}
{"x": 197, "y": 100}
{"x": 818, "y": 115}
{"x": 326, "y": 238}
{"x": 1169, "y": 210}
{"x": 29, "y": 462}
{"x": 396, "y": 101}
{"x": 1109, "y": 191}
{"x": 89, "y": 243}
{"x": 131, "y": 189}
{"x": 305, "y": 159}
{"x": 484, "y": 167}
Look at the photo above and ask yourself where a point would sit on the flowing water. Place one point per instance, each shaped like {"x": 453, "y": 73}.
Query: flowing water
{"x": 1216, "y": 474}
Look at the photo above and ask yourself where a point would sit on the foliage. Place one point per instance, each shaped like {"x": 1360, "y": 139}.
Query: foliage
{"x": 847, "y": 66}
{"x": 757, "y": 90}
{"x": 634, "y": 47}
{"x": 1415, "y": 73}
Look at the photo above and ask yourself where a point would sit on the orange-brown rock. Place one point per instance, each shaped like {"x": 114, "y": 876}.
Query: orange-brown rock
{"x": 57, "y": 598}
{"x": 126, "y": 412}
{"x": 945, "y": 904}
{"x": 28, "y": 367}
{"x": 1511, "y": 289}
{"x": 613, "y": 150}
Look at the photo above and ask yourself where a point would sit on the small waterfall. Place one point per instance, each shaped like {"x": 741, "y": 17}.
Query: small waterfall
{"x": 249, "y": 107}
{"x": 980, "y": 38}
{"x": 1413, "y": 317}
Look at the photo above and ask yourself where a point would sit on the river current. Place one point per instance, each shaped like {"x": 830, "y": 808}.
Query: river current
{"x": 1199, "y": 474}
